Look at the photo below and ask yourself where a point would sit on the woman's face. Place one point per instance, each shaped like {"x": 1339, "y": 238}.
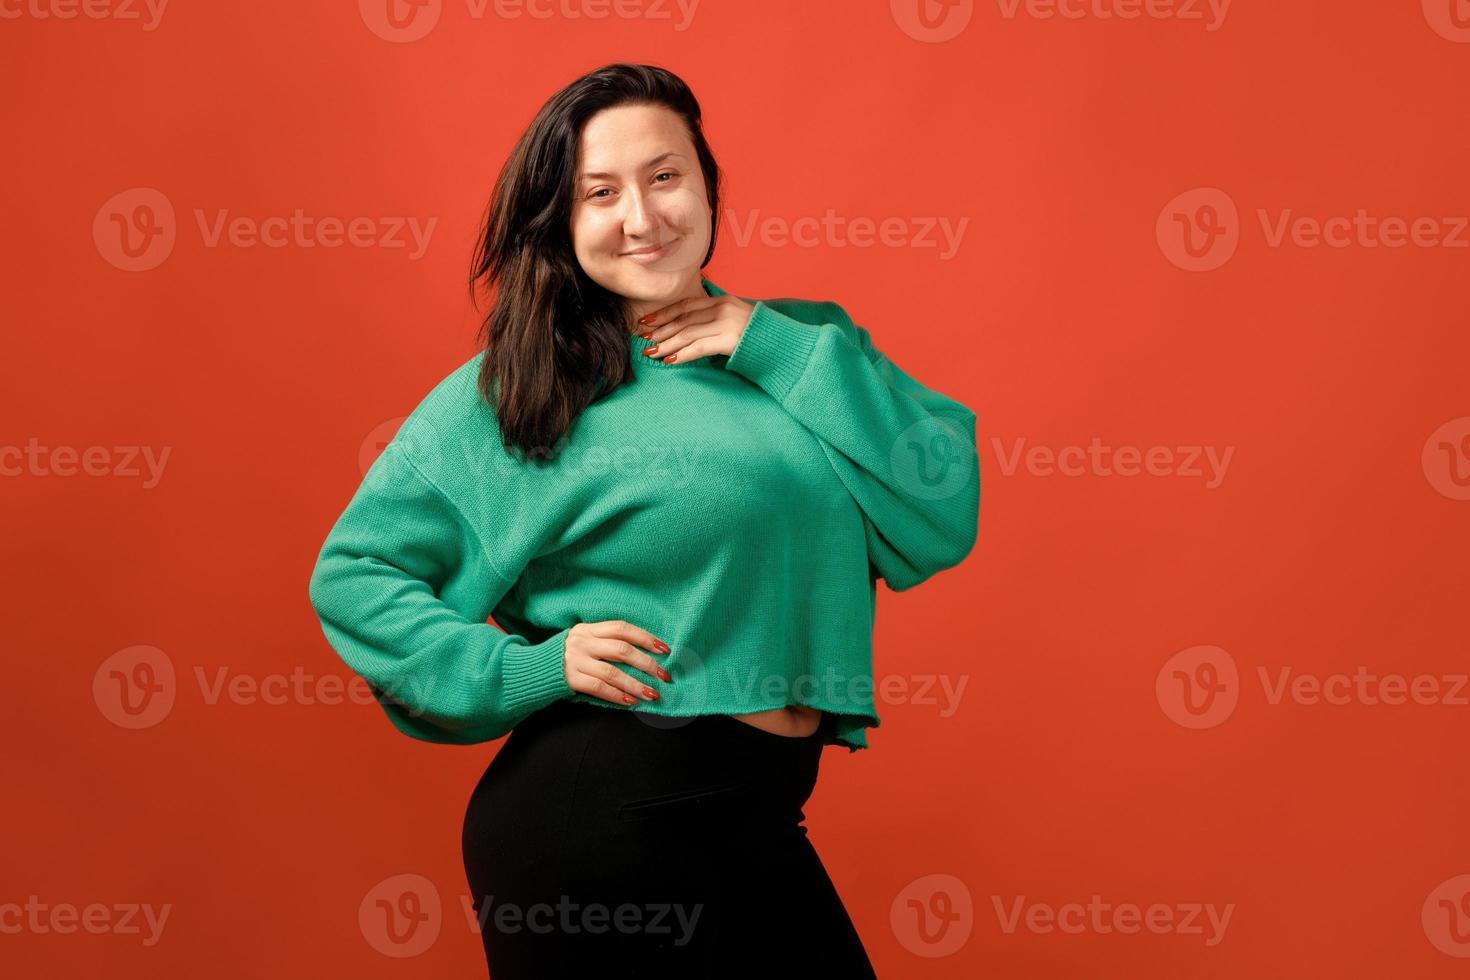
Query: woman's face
{"x": 639, "y": 186}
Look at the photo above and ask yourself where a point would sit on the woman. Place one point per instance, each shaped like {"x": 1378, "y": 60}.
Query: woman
{"x": 675, "y": 502}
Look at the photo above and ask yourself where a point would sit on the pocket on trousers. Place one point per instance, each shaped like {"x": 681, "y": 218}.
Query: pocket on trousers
{"x": 689, "y": 804}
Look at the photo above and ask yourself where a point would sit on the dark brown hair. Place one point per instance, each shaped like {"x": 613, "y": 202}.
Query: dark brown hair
{"x": 554, "y": 340}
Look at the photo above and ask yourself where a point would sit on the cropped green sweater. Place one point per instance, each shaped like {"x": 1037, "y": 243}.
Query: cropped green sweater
{"x": 740, "y": 508}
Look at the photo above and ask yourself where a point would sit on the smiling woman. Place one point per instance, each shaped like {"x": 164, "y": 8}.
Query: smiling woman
{"x": 730, "y": 599}
{"x": 603, "y": 213}
{"x": 643, "y": 217}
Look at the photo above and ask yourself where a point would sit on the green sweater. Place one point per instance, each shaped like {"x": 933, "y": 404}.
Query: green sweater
{"x": 739, "y": 507}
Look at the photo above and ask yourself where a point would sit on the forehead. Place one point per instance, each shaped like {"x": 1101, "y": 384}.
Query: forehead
{"x": 626, "y": 136}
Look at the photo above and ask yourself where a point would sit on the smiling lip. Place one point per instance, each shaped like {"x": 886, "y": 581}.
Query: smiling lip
{"x": 652, "y": 253}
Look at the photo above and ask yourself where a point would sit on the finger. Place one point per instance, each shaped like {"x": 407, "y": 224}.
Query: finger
{"x": 587, "y": 684}
{"x": 692, "y": 351}
{"x": 680, "y": 306}
{"x": 627, "y": 653}
{"x": 621, "y": 629}
{"x": 681, "y": 340}
{"x": 670, "y": 327}
{"x": 605, "y": 671}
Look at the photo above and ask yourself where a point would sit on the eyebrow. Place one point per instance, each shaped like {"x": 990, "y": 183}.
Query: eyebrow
{"x": 656, "y": 160}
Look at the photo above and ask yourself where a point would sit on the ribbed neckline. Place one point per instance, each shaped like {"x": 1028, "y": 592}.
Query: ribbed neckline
{"x": 637, "y": 345}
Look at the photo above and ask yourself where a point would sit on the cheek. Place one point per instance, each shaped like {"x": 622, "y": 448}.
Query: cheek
{"x": 687, "y": 210}
{"x": 591, "y": 230}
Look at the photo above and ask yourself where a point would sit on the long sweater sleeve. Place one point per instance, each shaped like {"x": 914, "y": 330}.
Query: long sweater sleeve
{"x": 904, "y": 451}
{"x": 403, "y": 586}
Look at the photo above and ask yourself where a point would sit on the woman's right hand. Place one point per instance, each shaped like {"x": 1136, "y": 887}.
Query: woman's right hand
{"x": 590, "y": 650}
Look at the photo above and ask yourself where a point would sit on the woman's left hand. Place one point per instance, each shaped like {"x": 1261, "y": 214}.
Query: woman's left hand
{"x": 689, "y": 329}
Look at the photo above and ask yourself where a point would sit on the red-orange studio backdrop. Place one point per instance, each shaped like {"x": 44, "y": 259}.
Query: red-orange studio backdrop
{"x": 1195, "y": 704}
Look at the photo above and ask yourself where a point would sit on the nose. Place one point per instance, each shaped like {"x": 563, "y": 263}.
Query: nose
{"x": 639, "y": 221}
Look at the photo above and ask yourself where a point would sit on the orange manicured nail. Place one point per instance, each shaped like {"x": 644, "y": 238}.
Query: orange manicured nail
{"x": 646, "y": 319}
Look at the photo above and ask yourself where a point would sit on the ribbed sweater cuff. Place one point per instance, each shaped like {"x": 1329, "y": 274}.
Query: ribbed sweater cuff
{"x": 534, "y": 676}
{"x": 773, "y": 351}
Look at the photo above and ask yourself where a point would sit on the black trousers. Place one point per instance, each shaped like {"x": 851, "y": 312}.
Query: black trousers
{"x": 610, "y": 841}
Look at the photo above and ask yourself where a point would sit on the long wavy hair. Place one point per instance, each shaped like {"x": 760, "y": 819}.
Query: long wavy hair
{"x": 555, "y": 341}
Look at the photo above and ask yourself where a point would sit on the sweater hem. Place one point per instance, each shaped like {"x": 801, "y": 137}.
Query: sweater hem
{"x": 848, "y": 731}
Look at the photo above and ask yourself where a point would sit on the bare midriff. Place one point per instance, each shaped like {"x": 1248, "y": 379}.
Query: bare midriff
{"x": 793, "y": 721}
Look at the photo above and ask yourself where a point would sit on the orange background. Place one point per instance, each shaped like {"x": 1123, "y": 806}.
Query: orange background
{"x": 1329, "y": 545}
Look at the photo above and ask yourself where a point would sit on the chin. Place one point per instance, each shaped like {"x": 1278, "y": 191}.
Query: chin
{"x": 651, "y": 284}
